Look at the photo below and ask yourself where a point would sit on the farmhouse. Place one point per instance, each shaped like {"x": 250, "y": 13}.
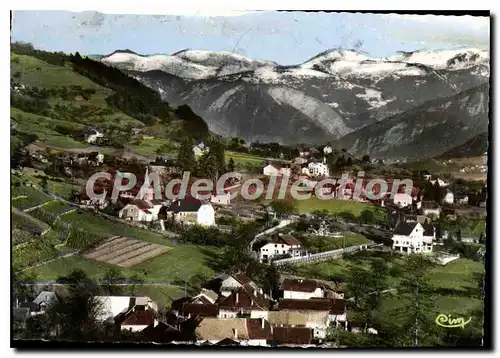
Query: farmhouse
{"x": 448, "y": 198}
{"x": 431, "y": 208}
{"x": 327, "y": 149}
{"x": 190, "y": 211}
{"x": 163, "y": 166}
{"x": 245, "y": 301}
{"x": 413, "y": 237}
{"x": 127, "y": 312}
{"x": 402, "y": 200}
{"x": 92, "y": 136}
{"x": 336, "y": 308}
{"x": 200, "y": 149}
{"x": 44, "y": 301}
{"x": 302, "y": 289}
{"x": 221, "y": 199}
{"x": 236, "y": 281}
{"x": 277, "y": 169}
{"x": 140, "y": 210}
{"x": 280, "y": 245}
{"x": 248, "y": 332}
{"x": 318, "y": 170}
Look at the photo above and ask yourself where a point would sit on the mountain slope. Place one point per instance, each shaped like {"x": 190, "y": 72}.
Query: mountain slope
{"x": 257, "y": 100}
{"x": 426, "y": 131}
{"x": 474, "y": 147}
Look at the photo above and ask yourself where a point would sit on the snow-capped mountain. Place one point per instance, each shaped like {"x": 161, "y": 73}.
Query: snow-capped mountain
{"x": 326, "y": 97}
{"x": 186, "y": 63}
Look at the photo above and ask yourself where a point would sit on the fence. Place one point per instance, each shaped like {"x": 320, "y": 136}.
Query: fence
{"x": 321, "y": 256}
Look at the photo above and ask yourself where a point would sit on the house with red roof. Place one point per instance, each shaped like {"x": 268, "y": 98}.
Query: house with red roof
{"x": 302, "y": 289}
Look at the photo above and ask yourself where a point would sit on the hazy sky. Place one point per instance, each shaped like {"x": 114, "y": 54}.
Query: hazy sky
{"x": 284, "y": 37}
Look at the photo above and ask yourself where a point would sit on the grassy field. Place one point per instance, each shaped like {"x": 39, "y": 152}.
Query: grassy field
{"x": 178, "y": 264}
{"x": 244, "y": 161}
{"x": 335, "y": 206}
{"x": 149, "y": 146}
{"x": 35, "y": 72}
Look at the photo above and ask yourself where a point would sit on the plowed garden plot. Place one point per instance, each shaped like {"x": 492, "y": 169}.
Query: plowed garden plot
{"x": 126, "y": 252}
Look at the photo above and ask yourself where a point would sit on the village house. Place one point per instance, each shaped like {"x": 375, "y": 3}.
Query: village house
{"x": 300, "y": 161}
{"x": 430, "y": 208}
{"x": 44, "y": 301}
{"x": 403, "y": 200}
{"x": 327, "y": 149}
{"x": 236, "y": 281}
{"x": 302, "y": 289}
{"x": 279, "y": 245}
{"x": 245, "y": 331}
{"x": 292, "y": 337}
{"x": 317, "y": 169}
{"x": 127, "y": 312}
{"x": 413, "y": 237}
{"x": 277, "y": 169}
{"x": 462, "y": 199}
{"x": 448, "y": 198}
{"x": 200, "y": 149}
{"x": 221, "y": 199}
{"x": 244, "y": 302}
{"x": 93, "y": 136}
{"x": 140, "y": 210}
{"x": 317, "y": 321}
{"x": 336, "y": 308}
{"x": 440, "y": 182}
{"x": 305, "y": 152}
{"x": 163, "y": 166}
{"x": 190, "y": 211}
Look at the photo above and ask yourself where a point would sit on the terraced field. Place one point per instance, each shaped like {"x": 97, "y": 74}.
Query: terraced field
{"x": 126, "y": 252}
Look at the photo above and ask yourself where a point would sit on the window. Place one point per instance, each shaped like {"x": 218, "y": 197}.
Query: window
{"x": 275, "y": 245}
{"x": 282, "y": 245}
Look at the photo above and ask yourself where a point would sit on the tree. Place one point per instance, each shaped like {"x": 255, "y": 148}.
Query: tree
{"x": 217, "y": 152}
{"x": 282, "y": 207}
{"x": 111, "y": 277}
{"x": 417, "y": 327}
{"x": 44, "y": 184}
{"x": 230, "y": 165}
{"x": 185, "y": 157}
{"x": 365, "y": 159}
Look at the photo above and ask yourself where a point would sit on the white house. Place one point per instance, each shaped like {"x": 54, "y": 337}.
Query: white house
{"x": 140, "y": 210}
{"x": 280, "y": 245}
{"x": 236, "y": 281}
{"x": 277, "y": 169}
{"x": 463, "y": 199}
{"x": 221, "y": 199}
{"x": 402, "y": 200}
{"x": 305, "y": 152}
{"x": 413, "y": 237}
{"x": 92, "y": 135}
{"x": 205, "y": 297}
{"x": 440, "y": 182}
{"x": 300, "y": 160}
{"x": 302, "y": 289}
{"x": 200, "y": 149}
{"x": 112, "y": 306}
{"x": 431, "y": 208}
{"x": 191, "y": 211}
{"x": 319, "y": 169}
{"x": 448, "y": 198}
{"x": 327, "y": 149}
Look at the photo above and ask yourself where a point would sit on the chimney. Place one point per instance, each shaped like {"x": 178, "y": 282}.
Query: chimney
{"x": 237, "y": 297}
{"x": 235, "y": 333}
{"x": 262, "y": 321}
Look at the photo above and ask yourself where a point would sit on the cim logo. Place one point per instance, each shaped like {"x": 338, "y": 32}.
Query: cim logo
{"x": 448, "y": 322}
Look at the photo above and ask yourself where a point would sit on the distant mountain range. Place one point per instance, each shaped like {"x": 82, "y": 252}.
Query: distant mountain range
{"x": 339, "y": 96}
